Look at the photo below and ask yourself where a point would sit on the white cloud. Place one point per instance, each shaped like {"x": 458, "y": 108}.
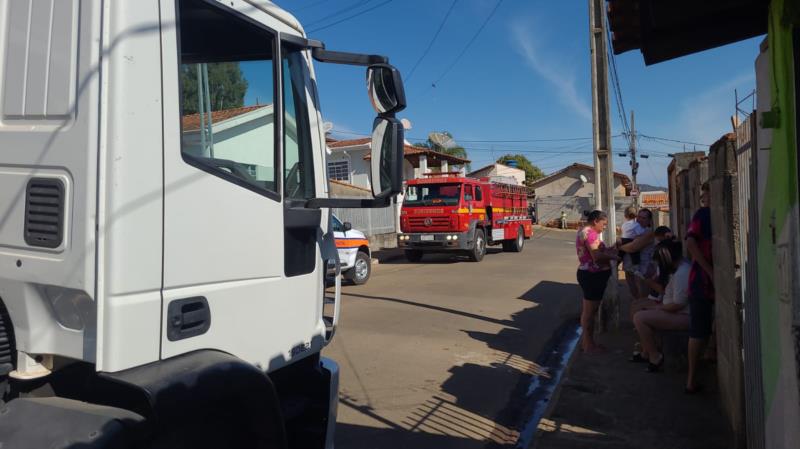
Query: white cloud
{"x": 550, "y": 70}
{"x": 706, "y": 117}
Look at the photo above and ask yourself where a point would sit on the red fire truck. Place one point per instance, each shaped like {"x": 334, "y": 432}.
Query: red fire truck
{"x": 444, "y": 213}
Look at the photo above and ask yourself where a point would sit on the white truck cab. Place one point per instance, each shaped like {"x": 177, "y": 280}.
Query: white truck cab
{"x": 354, "y": 254}
{"x": 165, "y": 230}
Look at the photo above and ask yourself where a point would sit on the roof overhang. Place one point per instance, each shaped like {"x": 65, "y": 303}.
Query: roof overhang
{"x": 665, "y": 30}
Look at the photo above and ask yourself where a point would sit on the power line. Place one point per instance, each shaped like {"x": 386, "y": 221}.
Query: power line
{"x": 469, "y": 44}
{"x": 566, "y": 139}
{"x": 344, "y": 10}
{"x": 674, "y": 140}
{"x": 618, "y": 92}
{"x": 350, "y": 17}
{"x": 430, "y": 45}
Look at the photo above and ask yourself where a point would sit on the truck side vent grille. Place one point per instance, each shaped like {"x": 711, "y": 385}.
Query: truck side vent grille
{"x": 44, "y": 212}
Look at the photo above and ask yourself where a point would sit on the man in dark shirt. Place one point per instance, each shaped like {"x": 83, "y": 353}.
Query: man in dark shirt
{"x": 701, "y": 285}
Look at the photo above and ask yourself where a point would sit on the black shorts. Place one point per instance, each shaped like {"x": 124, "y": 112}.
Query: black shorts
{"x": 593, "y": 284}
{"x": 701, "y": 313}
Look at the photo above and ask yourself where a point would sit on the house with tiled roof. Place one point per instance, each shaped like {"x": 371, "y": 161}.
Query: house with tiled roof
{"x": 236, "y": 134}
{"x": 348, "y": 161}
{"x": 577, "y": 180}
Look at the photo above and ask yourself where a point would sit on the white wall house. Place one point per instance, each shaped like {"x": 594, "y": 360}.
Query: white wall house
{"x": 348, "y": 161}
{"x": 244, "y": 135}
{"x": 500, "y": 170}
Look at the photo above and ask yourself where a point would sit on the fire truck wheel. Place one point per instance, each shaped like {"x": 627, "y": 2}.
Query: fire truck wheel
{"x": 479, "y": 250}
{"x": 413, "y": 255}
{"x": 360, "y": 272}
{"x": 517, "y": 244}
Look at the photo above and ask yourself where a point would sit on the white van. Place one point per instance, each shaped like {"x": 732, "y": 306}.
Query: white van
{"x": 354, "y": 253}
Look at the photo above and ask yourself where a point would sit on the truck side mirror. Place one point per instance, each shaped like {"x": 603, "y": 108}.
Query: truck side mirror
{"x": 386, "y": 154}
{"x": 346, "y": 226}
{"x": 386, "y": 91}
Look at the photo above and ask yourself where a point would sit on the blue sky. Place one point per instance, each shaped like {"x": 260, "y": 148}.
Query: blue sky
{"x": 525, "y": 77}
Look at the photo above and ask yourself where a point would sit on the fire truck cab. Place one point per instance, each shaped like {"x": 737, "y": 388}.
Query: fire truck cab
{"x": 450, "y": 213}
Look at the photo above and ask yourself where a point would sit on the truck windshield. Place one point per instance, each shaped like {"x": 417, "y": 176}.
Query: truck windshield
{"x": 433, "y": 195}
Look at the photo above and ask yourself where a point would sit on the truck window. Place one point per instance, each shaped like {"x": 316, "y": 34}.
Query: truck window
{"x": 337, "y": 225}
{"x": 478, "y": 193}
{"x": 433, "y": 195}
{"x": 227, "y": 96}
{"x": 467, "y": 193}
{"x": 298, "y": 153}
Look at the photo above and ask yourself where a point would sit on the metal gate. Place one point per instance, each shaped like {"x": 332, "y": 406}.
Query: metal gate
{"x": 746, "y": 159}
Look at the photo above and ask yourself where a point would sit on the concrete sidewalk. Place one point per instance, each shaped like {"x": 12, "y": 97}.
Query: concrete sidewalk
{"x": 605, "y": 401}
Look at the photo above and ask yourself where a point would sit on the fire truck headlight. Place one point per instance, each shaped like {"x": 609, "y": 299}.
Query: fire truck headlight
{"x": 455, "y": 237}
{"x": 449, "y": 237}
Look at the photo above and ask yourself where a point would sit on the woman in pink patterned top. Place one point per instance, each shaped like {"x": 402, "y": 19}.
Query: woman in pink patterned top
{"x": 593, "y": 272}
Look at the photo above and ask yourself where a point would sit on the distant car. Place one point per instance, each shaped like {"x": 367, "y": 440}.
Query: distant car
{"x": 354, "y": 253}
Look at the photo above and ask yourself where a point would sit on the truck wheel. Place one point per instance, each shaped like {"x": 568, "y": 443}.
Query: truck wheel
{"x": 361, "y": 270}
{"x": 479, "y": 249}
{"x": 413, "y": 255}
{"x": 516, "y": 245}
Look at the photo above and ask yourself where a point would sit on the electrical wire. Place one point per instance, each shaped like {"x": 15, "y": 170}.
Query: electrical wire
{"x": 350, "y": 17}
{"x": 674, "y": 140}
{"x": 469, "y": 44}
{"x": 566, "y": 139}
{"x": 615, "y": 84}
{"x": 339, "y": 12}
{"x": 430, "y": 44}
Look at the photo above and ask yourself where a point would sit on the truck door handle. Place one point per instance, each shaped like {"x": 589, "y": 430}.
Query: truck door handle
{"x": 188, "y": 317}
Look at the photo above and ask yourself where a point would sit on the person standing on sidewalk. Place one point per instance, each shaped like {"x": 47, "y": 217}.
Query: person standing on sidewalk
{"x": 701, "y": 286}
{"x": 594, "y": 270}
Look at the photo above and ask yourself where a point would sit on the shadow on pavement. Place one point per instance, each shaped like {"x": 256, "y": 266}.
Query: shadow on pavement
{"x": 432, "y": 307}
{"x": 482, "y": 404}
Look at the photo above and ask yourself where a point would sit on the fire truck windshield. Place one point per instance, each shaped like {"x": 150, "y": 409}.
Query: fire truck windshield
{"x": 433, "y": 195}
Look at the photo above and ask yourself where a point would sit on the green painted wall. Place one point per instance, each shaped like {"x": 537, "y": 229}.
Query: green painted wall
{"x": 781, "y": 193}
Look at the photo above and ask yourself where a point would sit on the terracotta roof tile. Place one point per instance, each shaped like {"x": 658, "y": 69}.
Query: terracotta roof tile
{"x": 191, "y": 122}
{"x": 350, "y": 143}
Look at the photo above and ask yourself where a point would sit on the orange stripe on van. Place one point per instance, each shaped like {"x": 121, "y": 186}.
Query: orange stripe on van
{"x": 351, "y": 243}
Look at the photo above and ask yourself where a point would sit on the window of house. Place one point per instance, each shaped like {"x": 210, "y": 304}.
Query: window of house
{"x": 339, "y": 170}
{"x": 227, "y": 89}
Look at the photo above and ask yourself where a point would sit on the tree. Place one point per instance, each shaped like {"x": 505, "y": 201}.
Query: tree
{"x": 532, "y": 172}
{"x": 226, "y": 84}
{"x": 456, "y": 150}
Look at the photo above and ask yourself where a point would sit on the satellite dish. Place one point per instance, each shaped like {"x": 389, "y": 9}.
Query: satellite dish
{"x": 442, "y": 139}
{"x": 406, "y": 123}
{"x": 327, "y": 126}
{"x": 583, "y": 179}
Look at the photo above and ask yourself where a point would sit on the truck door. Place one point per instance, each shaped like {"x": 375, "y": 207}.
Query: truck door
{"x": 235, "y": 278}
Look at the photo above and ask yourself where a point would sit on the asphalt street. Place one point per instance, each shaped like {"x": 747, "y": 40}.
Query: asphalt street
{"x": 441, "y": 354}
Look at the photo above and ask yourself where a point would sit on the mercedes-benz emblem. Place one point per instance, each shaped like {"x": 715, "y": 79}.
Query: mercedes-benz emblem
{"x": 428, "y": 221}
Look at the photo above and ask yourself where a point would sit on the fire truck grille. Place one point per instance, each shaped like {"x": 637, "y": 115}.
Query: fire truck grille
{"x": 430, "y": 223}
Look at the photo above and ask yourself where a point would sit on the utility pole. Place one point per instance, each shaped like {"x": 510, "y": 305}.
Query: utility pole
{"x": 601, "y": 123}
{"x": 603, "y": 160}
